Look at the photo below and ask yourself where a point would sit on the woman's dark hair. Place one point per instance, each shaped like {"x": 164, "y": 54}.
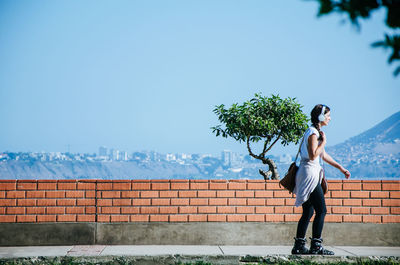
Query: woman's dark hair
{"x": 316, "y": 111}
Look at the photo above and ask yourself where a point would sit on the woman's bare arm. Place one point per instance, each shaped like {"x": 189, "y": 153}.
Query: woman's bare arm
{"x": 315, "y": 150}
{"x": 328, "y": 159}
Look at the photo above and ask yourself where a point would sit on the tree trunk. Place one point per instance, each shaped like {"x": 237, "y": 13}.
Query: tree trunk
{"x": 272, "y": 170}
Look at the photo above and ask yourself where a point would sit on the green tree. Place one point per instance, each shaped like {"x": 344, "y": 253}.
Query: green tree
{"x": 356, "y": 9}
{"x": 268, "y": 119}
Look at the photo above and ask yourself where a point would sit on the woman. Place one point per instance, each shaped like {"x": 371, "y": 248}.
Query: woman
{"x": 308, "y": 190}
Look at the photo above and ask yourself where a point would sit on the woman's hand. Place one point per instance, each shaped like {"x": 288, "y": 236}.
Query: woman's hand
{"x": 346, "y": 173}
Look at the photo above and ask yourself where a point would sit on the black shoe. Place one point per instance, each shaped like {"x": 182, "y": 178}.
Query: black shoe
{"x": 317, "y": 248}
{"x": 300, "y": 246}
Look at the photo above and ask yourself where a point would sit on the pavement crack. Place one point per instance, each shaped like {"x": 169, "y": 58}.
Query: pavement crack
{"x": 223, "y": 253}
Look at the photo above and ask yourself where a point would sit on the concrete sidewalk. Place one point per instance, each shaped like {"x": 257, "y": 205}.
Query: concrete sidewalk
{"x": 184, "y": 250}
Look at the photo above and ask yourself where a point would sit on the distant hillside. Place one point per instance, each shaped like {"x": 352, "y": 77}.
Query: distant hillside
{"x": 375, "y": 151}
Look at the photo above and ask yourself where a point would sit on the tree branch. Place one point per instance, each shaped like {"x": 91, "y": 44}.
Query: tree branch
{"x": 276, "y": 140}
{"x": 248, "y": 148}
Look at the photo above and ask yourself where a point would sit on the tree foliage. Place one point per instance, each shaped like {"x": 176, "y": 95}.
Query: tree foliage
{"x": 356, "y": 9}
{"x": 268, "y": 119}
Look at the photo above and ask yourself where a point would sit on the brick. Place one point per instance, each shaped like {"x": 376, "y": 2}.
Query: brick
{"x": 352, "y": 202}
{"x": 331, "y": 202}
{"x": 283, "y": 209}
{"x": 372, "y": 219}
{"x": 35, "y": 194}
{"x": 104, "y": 202}
{"x": 371, "y": 202}
{"x": 130, "y": 210}
{"x": 391, "y": 202}
{"x": 198, "y": 218}
{"x": 225, "y": 194}
{"x": 391, "y": 185}
{"x": 297, "y": 209}
{"x": 26, "y": 218}
{"x": 245, "y": 209}
{"x": 168, "y": 194}
{"x": 90, "y": 210}
{"x": 256, "y": 186}
{"x": 343, "y": 210}
{"x": 55, "y": 210}
{"x": 207, "y": 209}
{"x": 188, "y": 209}
{"x": 237, "y": 185}
{"x": 144, "y": 210}
{"x": 290, "y": 201}
{"x": 265, "y": 209}
{"x": 15, "y": 194}
{"x": 139, "y": 218}
{"x": 274, "y": 217}
{"x": 278, "y": 202}
{"x": 351, "y": 186}
{"x": 340, "y": 194}
{"x": 8, "y": 218}
{"x": 236, "y": 218}
{"x": 160, "y": 186}
{"x": 35, "y": 210}
{"x": 379, "y": 210}
{"x": 104, "y": 186}
{"x": 122, "y": 202}
{"x": 46, "y": 218}
{"x": 359, "y": 194}
{"x": 198, "y": 201}
{"x": 198, "y": 186}
{"x": 66, "y": 202}
{"x": 122, "y": 186}
{"x": 187, "y": 194}
{"x": 360, "y": 210}
{"x": 109, "y": 210}
{"x": 75, "y": 210}
{"x": 2, "y": 210}
{"x": 258, "y": 202}
{"x": 333, "y": 218}
{"x": 180, "y": 186}
{"x": 47, "y": 186}
{"x": 273, "y": 185}
{"x": 179, "y": 201}
{"x": 8, "y": 186}
{"x": 141, "y": 186}
{"x": 225, "y": 209}
{"x": 160, "y": 202}
{"x": 119, "y": 218}
{"x": 394, "y": 210}
{"x": 130, "y": 194}
{"x": 158, "y": 218}
{"x": 110, "y": 194}
{"x": 26, "y": 202}
{"x": 206, "y": 193}
{"x": 85, "y": 218}
{"x": 149, "y": 194}
{"x": 26, "y": 186}
{"x": 169, "y": 210}
{"x": 218, "y": 186}
{"x": 2, "y": 194}
{"x": 217, "y": 218}
{"x": 394, "y": 195}
{"x": 255, "y": 218}
{"x": 85, "y": 202}
{"x": 15, "y": 210}
{"x": 244, "y": 194}
{"x": 391, "y": 219}
{"x": 218, "y": 201}
{"x": 292, "y": 217}
{"x": 379, "y": 194}
{"x": 282, "y": 194}
{"x": 66, "y": 186}
{"x": 8, "y": 202}
{"x": 372, "y": 185}
{"x": 178, "y": 218}
{"x": 334, "y": 185}
{"x": 55, "y": 194}
{"x": 234, "y": 201}
{"x": 76, "y": 194}
{"x": 352, "y": 218}
{"x": 264, "y": 194}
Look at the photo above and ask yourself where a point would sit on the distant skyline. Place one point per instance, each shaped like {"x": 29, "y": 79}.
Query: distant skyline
{"x": 146, "y": 75}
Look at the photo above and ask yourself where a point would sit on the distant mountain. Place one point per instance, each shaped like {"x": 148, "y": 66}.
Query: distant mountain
{"x": 373, "y": 152}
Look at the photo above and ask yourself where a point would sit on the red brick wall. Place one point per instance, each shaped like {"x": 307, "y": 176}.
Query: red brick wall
{"x": 189, "y": 201}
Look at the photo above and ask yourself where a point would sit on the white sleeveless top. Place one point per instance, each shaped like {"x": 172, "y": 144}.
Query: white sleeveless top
{"x": 309, "y": 173}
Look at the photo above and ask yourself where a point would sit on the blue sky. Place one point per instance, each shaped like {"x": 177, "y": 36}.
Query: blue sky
{"x": 146, "y": 75}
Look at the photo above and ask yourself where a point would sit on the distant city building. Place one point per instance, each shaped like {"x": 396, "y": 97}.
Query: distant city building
{"x": 114, "y": 154}
{"x": 103, "y": 151}
{"x": 226, "y": 157}
{"x": 123, "y": 156}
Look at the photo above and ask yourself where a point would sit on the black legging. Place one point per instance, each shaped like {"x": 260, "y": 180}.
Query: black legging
{"x": 317, "y": 202}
